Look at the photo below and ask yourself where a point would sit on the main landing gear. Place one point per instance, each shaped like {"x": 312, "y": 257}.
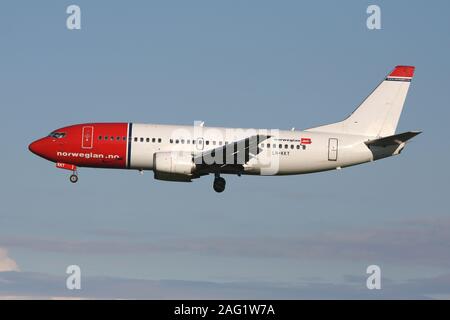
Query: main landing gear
{"x": 219, "y": 183}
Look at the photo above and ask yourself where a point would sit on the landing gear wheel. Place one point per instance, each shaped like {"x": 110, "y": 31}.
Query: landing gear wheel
{"x": 73, "y": 178}
{"x": 219, "y": 184}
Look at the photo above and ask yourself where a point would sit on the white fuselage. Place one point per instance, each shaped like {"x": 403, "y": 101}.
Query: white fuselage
{"x": 284, "y": 153}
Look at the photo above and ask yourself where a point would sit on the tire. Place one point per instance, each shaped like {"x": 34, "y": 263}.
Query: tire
{"x": 219, "y": 184}
{"x": 73, "y": 178}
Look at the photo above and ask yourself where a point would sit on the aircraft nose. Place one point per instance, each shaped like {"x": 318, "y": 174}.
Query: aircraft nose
{"x": 33, "y": 147}
{"x": 37, "y": 147}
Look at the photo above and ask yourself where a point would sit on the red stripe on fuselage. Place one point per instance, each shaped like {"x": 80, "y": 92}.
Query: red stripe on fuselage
{"x": 109, "y": 145}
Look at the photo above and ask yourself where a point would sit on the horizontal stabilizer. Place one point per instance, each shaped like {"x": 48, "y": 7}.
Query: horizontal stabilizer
{"x": 396, "y": 139}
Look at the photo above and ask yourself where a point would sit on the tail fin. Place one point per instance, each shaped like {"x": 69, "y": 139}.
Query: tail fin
{"x": 379, "y": 113}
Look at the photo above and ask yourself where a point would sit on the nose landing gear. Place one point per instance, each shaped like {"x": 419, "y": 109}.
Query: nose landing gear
{"x": 74, "y": 177}
{"x": 219, "y": 183}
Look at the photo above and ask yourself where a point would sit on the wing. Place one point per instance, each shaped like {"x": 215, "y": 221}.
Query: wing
{"x": 229, "y": 158}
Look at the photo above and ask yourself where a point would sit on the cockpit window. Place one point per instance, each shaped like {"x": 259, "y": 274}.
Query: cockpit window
{"x": 57, "y": 135}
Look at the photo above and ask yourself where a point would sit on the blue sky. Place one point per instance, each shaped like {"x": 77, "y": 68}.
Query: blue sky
{"x": 229, "y": 63}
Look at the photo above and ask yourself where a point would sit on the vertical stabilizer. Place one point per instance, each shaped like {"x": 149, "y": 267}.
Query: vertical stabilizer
{"x": 379, "y": 113}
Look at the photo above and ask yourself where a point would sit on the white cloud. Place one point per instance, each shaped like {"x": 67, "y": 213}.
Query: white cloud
{"x": 6, "y": 263}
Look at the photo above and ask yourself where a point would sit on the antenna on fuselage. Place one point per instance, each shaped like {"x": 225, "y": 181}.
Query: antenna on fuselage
{"x": 199, "y": 123}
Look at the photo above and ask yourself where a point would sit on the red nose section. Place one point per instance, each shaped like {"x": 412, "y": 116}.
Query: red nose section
{"x": 41, "y": 148}
{"x": 34, "y": 147}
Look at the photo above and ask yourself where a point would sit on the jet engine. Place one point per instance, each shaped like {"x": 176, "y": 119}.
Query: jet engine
{"x": 173, "y": 166}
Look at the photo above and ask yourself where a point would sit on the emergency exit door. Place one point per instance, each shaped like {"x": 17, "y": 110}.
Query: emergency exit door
{"x": 200, "y": 143}
{"x": 332, "y": 149}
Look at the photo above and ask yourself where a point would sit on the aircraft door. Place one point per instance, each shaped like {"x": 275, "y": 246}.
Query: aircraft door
{"x": 87, "y": 137}
{"x": 332, "y": 149}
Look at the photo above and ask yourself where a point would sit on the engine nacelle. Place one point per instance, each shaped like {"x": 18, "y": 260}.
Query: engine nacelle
{"x": 173, "y": 166}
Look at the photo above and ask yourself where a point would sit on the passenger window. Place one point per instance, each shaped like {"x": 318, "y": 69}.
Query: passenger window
{"x": 135, "y": 139}
{"x": 124, "y": 138}
{"x": 274, "y": 145}
{"x": 286, "y": 146}
{"x": 304, "y": 147}
{"x": 153, "y": 140}
{"x": 292, "y": 146}
{"x": 188, "y": 141}
{"x": 118, "y": 138}
{"x": 99, "y": 137}
{"x": 182, "y": 141}
{"x": 177, "y": 141}
{"x": 220, "y": 143}
{"x": 159, "y": 140}
{"x": 207, "y": 142}
{"x": 214, "y": 142}
{"x": 171, "y": 140}
{"x": 298, "y": 147}
{"x": 268, "y": 145}
{"x": 280, "y": 146}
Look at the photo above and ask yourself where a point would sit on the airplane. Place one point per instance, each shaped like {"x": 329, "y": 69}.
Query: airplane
{"x": 184, "y": 153}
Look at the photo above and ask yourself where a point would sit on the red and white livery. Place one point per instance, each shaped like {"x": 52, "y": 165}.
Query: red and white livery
{"x": 184, "y": 153}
